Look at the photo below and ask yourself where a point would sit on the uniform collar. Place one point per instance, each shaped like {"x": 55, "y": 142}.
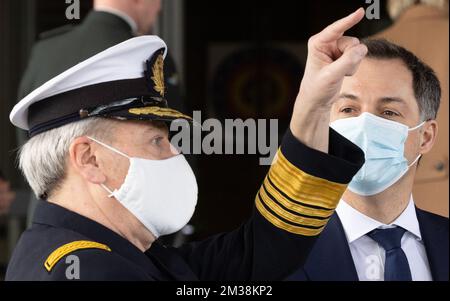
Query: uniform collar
{"x": 130, "y": 21}
{"x": 357, "y": 224}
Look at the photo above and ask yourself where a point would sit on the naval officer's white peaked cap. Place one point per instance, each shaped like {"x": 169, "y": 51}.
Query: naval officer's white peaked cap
{"x": 125, "y": 81}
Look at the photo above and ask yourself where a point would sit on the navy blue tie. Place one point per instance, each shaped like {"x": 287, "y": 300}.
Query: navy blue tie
{"x": 396, "y": 267}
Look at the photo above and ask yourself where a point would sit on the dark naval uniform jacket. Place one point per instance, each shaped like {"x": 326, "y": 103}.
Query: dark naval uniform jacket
{"x": 292, "y": 207}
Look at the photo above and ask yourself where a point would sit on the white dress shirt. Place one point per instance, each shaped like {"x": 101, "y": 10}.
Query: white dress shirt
{"x": 369, "y": 257}
{"x": 130, "y": 21}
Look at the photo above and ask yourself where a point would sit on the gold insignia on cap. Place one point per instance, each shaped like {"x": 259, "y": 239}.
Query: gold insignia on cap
{"x": 158, "y": 111}
{"x": 158, "y": 75}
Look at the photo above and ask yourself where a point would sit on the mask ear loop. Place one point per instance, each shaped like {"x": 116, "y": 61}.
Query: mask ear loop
{"x": 110, "y": 192}
{"x": 417, "y": 126}
{"x": 109, "y": 147}
{"x": 414, "y": 162}
{"x": 420, "y": 155}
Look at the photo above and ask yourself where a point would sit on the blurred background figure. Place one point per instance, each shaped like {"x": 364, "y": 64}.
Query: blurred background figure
{"x": 109, "y": 22}
{"x": 7, "y": 196}
{"x": 422, "y": 27}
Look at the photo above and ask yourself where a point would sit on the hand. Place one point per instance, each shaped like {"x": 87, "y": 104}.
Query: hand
{"x": 331, "y": 57}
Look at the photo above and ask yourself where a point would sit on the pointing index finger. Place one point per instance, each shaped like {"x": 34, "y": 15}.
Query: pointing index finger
{"x": 337, "y": 29}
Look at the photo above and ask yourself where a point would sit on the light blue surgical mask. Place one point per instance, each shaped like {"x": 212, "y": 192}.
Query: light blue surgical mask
{"x": 383, "y": 143}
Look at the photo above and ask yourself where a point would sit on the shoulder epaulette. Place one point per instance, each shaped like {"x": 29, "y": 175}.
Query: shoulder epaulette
{"x": 70, "y": 247}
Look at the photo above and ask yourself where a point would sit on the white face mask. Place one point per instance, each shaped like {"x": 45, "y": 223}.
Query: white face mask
{"x": 161, "y": 194}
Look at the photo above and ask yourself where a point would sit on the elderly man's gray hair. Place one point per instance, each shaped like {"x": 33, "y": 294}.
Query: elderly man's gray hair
{"x": 43, "y": 158}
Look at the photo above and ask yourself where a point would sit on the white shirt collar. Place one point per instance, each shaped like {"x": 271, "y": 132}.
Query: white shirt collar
{"x": 130, "y": 21}
{"x": 356, "y": 224}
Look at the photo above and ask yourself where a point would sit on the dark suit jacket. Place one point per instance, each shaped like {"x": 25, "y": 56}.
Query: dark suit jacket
{"x": 64, "y": 47}
{"x": 331, "y": 260}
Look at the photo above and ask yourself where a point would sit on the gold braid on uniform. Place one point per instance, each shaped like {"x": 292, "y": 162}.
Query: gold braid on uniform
{"x": 68, "y": 248}
{"x": 295, "y": 201}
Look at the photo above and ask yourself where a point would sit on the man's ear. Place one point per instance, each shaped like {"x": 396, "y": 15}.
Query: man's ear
{"x": 83, "y": 160}
{"x": 428, "y": 136}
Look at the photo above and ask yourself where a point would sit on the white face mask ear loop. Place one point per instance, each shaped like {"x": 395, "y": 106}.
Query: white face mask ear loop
{"x": 414, "y": 162}
{"x": 412, "y": 129}
{"x": 110, "y": 147}
{"x": 103, "y": 212}
{"x": 110, "y": 192}
{"x": 417, "y": 126}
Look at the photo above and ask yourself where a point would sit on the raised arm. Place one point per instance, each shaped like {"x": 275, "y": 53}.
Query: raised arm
{"x": 304, "y": 184}
{"x": 331, "y": 57}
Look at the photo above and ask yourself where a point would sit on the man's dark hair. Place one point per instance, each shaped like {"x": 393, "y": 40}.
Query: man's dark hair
{"x": 2, "y": 177}
{"x": 427, "y": 89}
